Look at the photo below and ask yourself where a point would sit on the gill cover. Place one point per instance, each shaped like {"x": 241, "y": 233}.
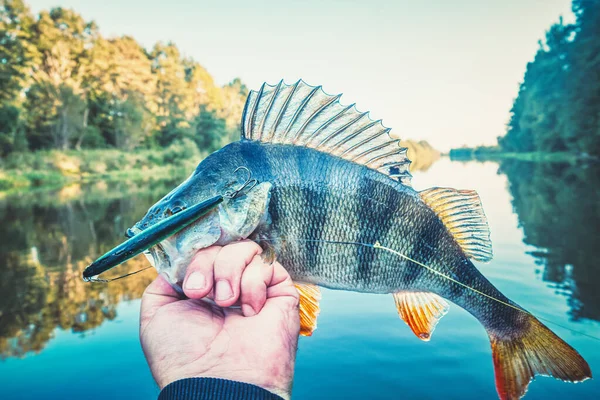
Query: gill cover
{"x": 240, "y": 216}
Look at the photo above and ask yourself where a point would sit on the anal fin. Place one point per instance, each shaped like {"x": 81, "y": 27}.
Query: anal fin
{"x": 421, "y": 311}
{"x": 310, "y": 295}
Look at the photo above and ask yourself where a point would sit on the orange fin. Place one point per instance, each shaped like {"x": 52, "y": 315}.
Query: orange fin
{"x": 421, "y": 311}
{"x": 309, "y": 307}
{"x": 536, "y": 351}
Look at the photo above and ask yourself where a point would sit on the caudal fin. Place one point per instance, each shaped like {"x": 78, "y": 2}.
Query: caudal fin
{"x": 535, "y": 351}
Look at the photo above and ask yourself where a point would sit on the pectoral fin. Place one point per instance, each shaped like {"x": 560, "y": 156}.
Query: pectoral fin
{"x": 421, "y": 311}
{"x": 309, "y": 307}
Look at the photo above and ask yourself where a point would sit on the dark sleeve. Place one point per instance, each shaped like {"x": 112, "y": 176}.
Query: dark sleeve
{"x": 214, "y": 389}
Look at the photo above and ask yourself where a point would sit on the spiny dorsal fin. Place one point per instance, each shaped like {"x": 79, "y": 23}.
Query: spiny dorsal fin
{"x": 421, "y": 311}
{"x": 304, "y": 115}
{"x": 310, "y": 295}
{"x": 462, "y": 214}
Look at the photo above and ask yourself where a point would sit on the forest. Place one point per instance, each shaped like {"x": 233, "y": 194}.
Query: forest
{"x": 558, "y": 105}
{"x": 75, "y": 105}
{"x": 64, "y": 86}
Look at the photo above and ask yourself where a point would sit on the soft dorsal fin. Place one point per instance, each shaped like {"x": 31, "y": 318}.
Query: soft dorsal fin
{"x": 421, "y": 311}
{"x": 462, "y": 214}
{"x": 304, "y": 115}
{"x": 310, "y": 295}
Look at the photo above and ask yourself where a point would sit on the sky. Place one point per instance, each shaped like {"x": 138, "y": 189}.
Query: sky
{"x": 436, "y": 70}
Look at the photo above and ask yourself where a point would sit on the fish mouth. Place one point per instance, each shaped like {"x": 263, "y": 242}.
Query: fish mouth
{"x": 145, "y": 239}
{"x": 158, "y": 257}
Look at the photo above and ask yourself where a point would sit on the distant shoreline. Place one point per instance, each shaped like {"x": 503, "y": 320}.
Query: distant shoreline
{"x": 497, "y": 154}
{"x": 53, "y": 169}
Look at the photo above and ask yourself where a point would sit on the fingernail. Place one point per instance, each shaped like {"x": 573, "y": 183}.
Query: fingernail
{"x": 248, "y": 310}
{"x": 195, "y": 281}
{"x": 223, "y": 291}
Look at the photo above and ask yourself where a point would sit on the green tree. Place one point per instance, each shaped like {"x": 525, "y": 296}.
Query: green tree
{"x": 558, "y": 106}
{"x": 211, "y": 131}
{"x": 133, "y": 123}
{"x": 12, "y": 137}
{"x": 582, "y": 130}
{"x": 537, "y": 120}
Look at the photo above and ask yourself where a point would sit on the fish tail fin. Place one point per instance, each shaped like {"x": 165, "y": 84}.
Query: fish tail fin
{"x": 534, "y": 350}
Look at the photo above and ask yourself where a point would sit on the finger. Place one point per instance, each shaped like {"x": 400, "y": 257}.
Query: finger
{"x": 281, "y": 291}
{"x": 228, "y": 268}
{"x": 253, "y": 288}
{"x": 198, "y": 280}
{"x": 282, "y": 304}
{"x": 158, "y": 294}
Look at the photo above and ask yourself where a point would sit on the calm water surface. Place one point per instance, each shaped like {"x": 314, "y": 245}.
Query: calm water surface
{"x": 62, "y": 338}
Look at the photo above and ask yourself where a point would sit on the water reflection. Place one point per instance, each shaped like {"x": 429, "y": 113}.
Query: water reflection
{"x": 47, "y": 239}
{"x": 558, "y": 205}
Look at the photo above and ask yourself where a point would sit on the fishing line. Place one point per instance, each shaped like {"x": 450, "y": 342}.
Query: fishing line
{"x": 100, "y": 280}
{"x": 378, "y": 246}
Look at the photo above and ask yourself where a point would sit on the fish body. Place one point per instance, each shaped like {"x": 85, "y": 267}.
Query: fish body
{"x": 334, "y": 206}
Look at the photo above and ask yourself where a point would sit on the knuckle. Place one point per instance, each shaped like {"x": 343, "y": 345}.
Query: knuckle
{"x": 245, "y": 247}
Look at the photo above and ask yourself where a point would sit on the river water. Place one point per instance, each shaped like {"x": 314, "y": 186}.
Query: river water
{"x": 62, "y": 338}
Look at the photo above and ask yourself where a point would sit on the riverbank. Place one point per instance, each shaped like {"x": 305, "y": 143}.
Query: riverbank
{"x": 58, "y": 168}
{"x": 53, "y": 168}
{"x": 496, "y": 154}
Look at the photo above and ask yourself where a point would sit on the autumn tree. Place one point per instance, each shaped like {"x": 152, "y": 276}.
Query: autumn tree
{"x": 18, "y": 54}
{"x": 122, "y": 92}
{"x": 63, "y": 86}
{"x": 57, "y": 100}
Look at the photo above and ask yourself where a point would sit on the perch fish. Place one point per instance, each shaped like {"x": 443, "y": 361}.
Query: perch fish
{"x": 333, "y": 203}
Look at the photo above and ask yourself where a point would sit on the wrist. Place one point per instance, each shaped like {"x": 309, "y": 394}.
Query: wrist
{"x": 275, "y": 376}
{"x": 214, "y": 388}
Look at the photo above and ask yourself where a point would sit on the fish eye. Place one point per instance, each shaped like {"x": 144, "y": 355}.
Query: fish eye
{"x": 129, "y": 233}
{"x": 174, "y": 208}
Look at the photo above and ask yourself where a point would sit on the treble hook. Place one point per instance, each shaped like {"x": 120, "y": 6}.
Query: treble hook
{"x": 248, "y": 184}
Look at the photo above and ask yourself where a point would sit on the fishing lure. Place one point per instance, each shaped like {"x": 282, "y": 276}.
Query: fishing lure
{"x": 160, "y": 231}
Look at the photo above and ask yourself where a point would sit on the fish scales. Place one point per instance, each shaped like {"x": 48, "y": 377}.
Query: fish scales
{"x": 319, "y": 201}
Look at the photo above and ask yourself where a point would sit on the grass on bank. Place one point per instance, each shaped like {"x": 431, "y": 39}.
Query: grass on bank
{"x": 55, "y": 168}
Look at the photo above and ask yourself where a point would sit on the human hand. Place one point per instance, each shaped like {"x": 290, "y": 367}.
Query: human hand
{"x": 184, "y": 338}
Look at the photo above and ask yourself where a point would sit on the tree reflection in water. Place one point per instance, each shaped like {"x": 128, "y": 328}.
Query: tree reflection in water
{"x": 47, "y": 239}
{"x": 558, "y": 205}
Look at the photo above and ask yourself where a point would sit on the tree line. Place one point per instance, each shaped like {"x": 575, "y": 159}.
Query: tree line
{"x": 65, "y": 86}
{"x": 558, "y": 105}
